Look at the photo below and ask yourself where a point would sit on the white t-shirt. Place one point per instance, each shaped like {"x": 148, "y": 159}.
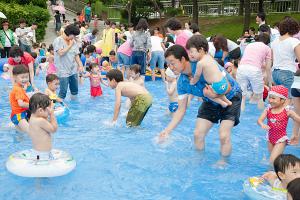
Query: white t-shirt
{"x": 156, "y": 43}
{"x": 188, "y": 32}
{"x": 211, "y": 49}
{"x": 231, "y": 45}
{"x": 283, "y": 54}
{"x": 7, "y": 41}
{"x": 128, "y": 35}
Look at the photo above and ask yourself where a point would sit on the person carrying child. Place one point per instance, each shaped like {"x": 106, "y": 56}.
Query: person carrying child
{"x": 40, "y": 128}
{"x": 95, "y": 80}
{"x": 171, "y": 87}
{"x": 19, "y": 101}
{"x": 277, "y": 114}
{"x": 141, "y": 100}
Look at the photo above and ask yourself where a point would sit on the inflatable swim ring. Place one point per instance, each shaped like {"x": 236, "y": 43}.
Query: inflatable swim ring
{"x": 148, "y": 75}
{"x": 61, "y": 111}
{"x": 2, "y": 62}
{"x": 258, "y": 189}
{"x": 22, "y": 164}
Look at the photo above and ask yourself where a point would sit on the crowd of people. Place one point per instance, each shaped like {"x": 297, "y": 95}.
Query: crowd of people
{"x": 261, "y": 65}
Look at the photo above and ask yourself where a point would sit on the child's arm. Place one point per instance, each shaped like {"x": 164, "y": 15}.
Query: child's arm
{"x": 51, "y": 126}
{"x": 171, "y": 89}
{"x": 261, "y": 119}
{"x": 117, "y": 104}
{"x": 270, "y": 177}
{"x": 101, "y": 80}
{"x": 23, "y": 104}
{"x": 197, "y": 75}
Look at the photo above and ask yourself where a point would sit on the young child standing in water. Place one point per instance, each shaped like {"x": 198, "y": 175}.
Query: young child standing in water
{"x": 95, "y": 80}
{"x": 171, "y": 87}
{"x": 135, "y": 75}
{"x": 40, "y": 128}
{"x": 53, "y": 84}
{"x": 277, "y": 114}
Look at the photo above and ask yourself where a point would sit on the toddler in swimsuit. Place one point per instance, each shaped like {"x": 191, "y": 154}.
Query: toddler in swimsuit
{"x": 95, "y": 79}
{"x": 277, "y": 114}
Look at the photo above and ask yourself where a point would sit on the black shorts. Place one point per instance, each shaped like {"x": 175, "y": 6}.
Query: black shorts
{"x": 295, "y": 92}
{"x": 216, "y": 113}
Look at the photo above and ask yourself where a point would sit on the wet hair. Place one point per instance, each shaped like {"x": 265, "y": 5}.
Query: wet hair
{"x": 91, "y": 49}
{"x": 34, "y": 55}
{"x": 263, "y": 37}
{"x": 20, "y": 69}
{"x": 21, "y": 21}
{"x": 72, "y": 30}
{"x": 198, "y": 42}
{"x": 112, "y": 53}
{"x": 173, "y": 24}
{"x": 261, "y": 15}
{"x": 115, "y": 74}
{"x": 51, "y": 48}
{"x": 220, "y": 42}
{"x": 39, "y": 100}
{"x": 43, "y": 60}
{"x": 288, "y": 25}
{"x": 284, "y": 161}
{"x": 135, "y": 68}
{"x": 95, "y": 31}
{"x": 264, "y": 29}
{"x": 195, "y": 28}
{"x": 51, "y": 77}
{"x": 294, "y": 188}
{"x": 177, "y": 51}
{"x": 142, "y": 25}
{"x": 16, "y": 51}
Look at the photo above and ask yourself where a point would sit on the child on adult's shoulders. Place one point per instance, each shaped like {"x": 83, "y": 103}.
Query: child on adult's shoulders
{"x": 40, "y": 128}
{"x": 19, "y": 101}
{"x": 141, "y": 100}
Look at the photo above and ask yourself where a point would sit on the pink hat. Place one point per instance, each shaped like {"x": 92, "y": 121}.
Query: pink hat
{"x": 98, "y": 50}
{"x": 279, "y": 91}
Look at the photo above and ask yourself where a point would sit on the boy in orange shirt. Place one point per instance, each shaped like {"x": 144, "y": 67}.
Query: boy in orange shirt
{"x": 18, "y": 98}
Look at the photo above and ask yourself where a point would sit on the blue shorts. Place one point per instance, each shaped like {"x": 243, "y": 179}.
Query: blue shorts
{"x": 18, "y": 117}
{"x": 157, "y": 59}
{"x": 220, "y": 87}
{"x": 283, "y": 77}
{"x": 123, "y": 60}
{"x": 173, "y": 106}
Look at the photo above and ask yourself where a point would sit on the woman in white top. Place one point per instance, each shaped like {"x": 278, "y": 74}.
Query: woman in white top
{"x": 157, "y": 54}
{"x": 285, "y": 51}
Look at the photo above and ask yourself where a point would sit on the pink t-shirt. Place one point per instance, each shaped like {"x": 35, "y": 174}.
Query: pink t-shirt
{"x": 51, "y": 69}
{"x": 125, "y": 48}
{"x": 256, "y": 54}
{"x": 182, "y": 39}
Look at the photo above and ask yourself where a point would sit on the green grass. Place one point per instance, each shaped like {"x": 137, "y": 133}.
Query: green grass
{"x": 232, "y": 26}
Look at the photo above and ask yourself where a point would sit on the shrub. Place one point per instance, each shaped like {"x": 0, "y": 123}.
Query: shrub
{"x": 30, "y": 13}
{"x": 173, "y": 12}
{"x": 40, "y": 3}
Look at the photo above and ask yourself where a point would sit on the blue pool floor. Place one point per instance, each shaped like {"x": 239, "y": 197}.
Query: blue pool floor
{"x": 127, "y": 163}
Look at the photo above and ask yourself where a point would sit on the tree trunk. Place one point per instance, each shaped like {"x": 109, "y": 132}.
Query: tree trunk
{"x": 241, "y": 9}
{"x": 261, "y": 6}
{"x": 195, "y": 11}
{"x": 129, "y": 6}
{"x": 247, "y": 15}
{"x": 173, "y": 3}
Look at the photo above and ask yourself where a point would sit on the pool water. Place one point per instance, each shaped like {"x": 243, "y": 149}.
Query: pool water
{"x": 127, "y": 163}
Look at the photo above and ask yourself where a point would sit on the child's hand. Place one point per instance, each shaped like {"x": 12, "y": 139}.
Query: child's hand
{"x": 269, "y": 175}
{"x": 163, "y": 136}
{"x": 294, "y": 140}
{"x": 265, "y": 127}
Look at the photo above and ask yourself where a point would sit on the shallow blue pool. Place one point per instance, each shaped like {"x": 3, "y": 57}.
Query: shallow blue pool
{"x": 127, "y": 163}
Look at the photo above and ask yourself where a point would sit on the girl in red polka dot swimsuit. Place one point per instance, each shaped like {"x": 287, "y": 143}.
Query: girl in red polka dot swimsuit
{"x": 277, "y": 115}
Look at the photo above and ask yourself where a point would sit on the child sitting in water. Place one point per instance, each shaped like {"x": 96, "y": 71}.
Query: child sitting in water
{"x": 40, "y": 128}
{"x": 287, "y": 168}
{"x": 19, "y": 101}
{"x": 135, "y": 75}
{"x": 95, "y": 80}
{"x": 294, "y": 190}
{"x": 218, "y": 83}
{"x": 53, "y": 83}
{"x": 171, "y": 87}
{"x": 140, "y": 98}
{"x": 113, "y": 61}
{"x": 278, "y": 115}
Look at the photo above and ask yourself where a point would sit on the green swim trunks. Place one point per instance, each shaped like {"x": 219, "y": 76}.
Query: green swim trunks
{"x": 138, "y": 109}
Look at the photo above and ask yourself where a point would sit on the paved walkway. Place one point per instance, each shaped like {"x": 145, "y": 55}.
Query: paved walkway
{"x": 50, "y": 30}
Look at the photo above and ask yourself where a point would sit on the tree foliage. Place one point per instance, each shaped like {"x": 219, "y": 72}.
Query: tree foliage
{"x": 40, "y": 3}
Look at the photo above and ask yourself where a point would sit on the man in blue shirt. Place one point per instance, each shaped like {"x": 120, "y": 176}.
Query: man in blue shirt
{"x": 209, "y": 112}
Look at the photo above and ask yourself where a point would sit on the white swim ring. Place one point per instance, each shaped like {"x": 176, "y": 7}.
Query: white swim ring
{"x": 23, "y": 164}
{"x": 61, "y": 111}
{"x": 257, "y": 189}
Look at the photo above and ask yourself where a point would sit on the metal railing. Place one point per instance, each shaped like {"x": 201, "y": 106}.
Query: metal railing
{"x": 74, "y": 5}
